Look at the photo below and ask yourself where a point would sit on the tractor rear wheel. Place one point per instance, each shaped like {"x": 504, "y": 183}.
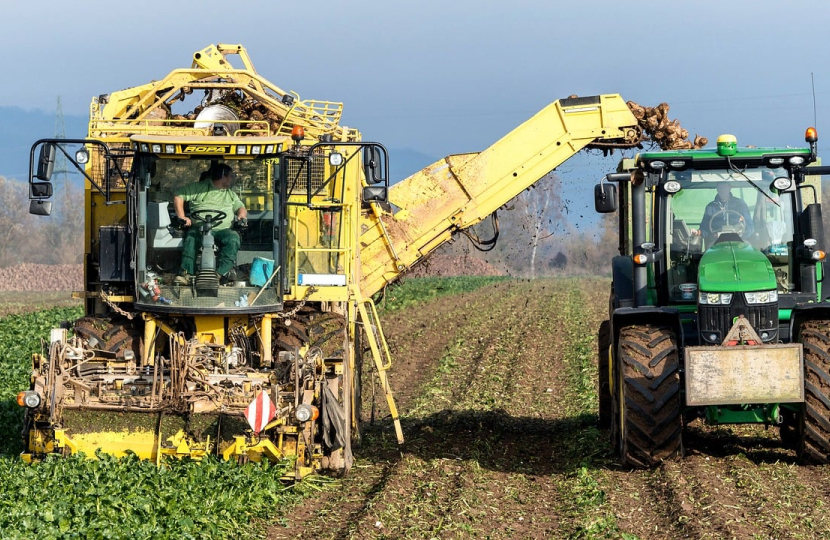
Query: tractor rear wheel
{"x": 814, "y": 443}
{"x": 604, "y": 341}
{"x": 648, "y": 396}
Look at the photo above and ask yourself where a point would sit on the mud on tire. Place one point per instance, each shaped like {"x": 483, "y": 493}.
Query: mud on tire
{"x": 650, "y": 426}
{"x": 814, "y": 444}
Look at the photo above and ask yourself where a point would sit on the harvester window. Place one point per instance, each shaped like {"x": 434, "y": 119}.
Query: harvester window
{"x": 161, "y": 249}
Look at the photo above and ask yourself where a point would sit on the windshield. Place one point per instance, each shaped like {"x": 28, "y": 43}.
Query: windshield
{"x": 725, "y": 204}
{"x": 224, "y": 253}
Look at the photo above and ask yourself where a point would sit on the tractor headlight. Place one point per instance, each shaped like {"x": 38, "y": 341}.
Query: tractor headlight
{"x": 761, "y": 297}
{"x": 29, "y": 399}
{"x": 715, "y": 299}
{"x": 672, "y": 186}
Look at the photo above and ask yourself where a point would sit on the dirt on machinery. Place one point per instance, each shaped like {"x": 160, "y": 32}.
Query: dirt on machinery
{"x": 497, "y": 391}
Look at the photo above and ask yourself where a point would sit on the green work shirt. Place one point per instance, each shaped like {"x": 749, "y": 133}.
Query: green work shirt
{"x": 203, "y": 196}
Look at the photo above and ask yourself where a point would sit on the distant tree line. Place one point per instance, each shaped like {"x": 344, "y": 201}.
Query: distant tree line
{"x": 538, "y": 237}
{"x": 55, "y": 239}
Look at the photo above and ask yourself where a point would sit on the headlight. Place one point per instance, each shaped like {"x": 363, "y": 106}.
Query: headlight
{"x": 782, "y": 183}
{"x": 29, "y": 399}
{"x": 716, "y": 299}
{"x": 82, "y": 156}
{"x": 305, "y": 412}
{"x": 761, "y": 297}
{"x": 672, "y": 186}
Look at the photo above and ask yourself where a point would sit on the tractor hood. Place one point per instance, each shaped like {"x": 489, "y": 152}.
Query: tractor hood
{"x": 735, "y": 266}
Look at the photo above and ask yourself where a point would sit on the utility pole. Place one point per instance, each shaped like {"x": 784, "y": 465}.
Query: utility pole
{"x": 61, "y": 169}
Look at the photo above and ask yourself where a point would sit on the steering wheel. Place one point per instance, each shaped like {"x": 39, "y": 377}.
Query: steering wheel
{"x": 208, "y": 216}
{"x": 738, "y": 228}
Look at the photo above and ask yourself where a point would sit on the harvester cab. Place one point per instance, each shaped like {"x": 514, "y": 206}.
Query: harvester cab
{"x": 716, "y": 304}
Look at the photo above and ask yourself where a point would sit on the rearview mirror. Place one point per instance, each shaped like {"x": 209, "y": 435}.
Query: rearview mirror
{"x": 46, "y": 162}
{"x": 374, "y": 194}
{"x": 40, "y": 207}
{"x": 605, "y": 198}
{"x": 40, "y": 190}
{"x": 372, "y": 165}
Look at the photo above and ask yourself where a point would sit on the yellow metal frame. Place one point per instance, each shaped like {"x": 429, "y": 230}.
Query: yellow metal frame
{"x": 460, "y": 191}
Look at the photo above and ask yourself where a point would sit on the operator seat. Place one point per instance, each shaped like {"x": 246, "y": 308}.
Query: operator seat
{"x": 159, "y": 227}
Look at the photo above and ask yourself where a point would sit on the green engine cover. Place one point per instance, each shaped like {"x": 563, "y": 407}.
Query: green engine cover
{"x": 735, "y": 267}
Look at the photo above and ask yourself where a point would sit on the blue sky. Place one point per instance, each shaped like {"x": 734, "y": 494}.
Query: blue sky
{"x": 442, "y": 77}
{"x": 452, "y": 76}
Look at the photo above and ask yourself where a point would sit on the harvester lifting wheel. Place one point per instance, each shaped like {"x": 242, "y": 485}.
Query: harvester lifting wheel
{"x": 647, "y": 396}
{"x": 110, "y": 335}
{"x": 814, "y": 443}
{"x": 604, "y": 342}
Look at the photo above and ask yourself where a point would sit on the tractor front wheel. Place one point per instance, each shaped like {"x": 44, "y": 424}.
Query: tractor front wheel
{"x": 647, "y": 396}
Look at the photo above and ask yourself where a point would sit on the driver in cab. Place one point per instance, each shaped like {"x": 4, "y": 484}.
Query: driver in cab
{"x": 726, "y": 213}
{"x": 215, "y": 195}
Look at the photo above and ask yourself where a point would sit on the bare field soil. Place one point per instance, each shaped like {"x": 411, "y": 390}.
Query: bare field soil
{"x": 497, "y": 390}
{"x": 41, "y": 277}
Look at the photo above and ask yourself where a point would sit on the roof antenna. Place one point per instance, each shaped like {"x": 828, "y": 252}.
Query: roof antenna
{"x": 813, "y": 80}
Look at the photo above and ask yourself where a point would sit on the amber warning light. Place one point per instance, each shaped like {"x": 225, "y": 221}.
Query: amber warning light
{"x": 811, "y": 135}
{"x": 298, "y": 133}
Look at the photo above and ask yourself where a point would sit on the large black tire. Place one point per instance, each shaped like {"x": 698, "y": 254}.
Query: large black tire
{"x": 814, "y": 444}
{"x": 604, "y": 342}
{"x": 648, "y": 396}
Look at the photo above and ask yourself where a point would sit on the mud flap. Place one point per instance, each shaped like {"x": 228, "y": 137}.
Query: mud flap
{"x": 334, "y": 421}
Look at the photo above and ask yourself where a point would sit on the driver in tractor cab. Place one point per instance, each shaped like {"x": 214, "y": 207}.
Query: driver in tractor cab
{"x": 726, "y": 213}
{"x": 213, "y": 195}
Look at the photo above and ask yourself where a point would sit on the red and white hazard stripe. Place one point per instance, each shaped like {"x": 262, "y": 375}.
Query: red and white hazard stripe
{"x": 261, "y": 411}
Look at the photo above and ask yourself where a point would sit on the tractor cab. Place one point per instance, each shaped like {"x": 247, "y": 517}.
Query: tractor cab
{"x": 720, "y": 233}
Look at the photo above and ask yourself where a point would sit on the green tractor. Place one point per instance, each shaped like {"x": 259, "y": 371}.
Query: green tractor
{"x": 716, "y": 305}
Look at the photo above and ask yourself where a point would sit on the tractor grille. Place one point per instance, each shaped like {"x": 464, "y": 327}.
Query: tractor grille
{"x": 718, "y": 319}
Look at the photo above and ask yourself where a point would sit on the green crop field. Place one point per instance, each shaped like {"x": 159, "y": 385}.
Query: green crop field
{"x": 120, "y": 498}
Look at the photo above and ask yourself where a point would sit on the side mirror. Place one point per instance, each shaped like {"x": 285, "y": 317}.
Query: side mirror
{"x": 374, "y": 194}
{"x": 40, "y": 190}
{"x": 373, "y": 165}
{"x": 40, "y": 207}
{"x": 46, "y": 162}
{"x": 605, "y": 198}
